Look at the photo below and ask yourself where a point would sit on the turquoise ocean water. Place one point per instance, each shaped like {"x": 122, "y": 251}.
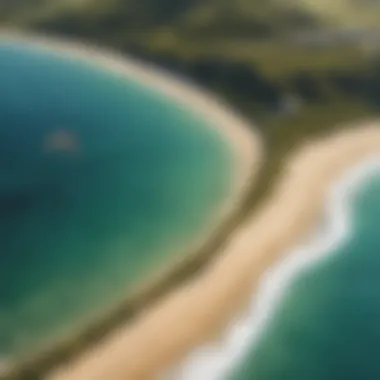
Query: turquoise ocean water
{"x": 102, "y": 180}
{"x": 327, "y": 327}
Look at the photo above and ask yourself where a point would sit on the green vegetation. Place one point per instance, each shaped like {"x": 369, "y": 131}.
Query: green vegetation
{"x": 346, "y": 13}
{"x": 243, "y": 50}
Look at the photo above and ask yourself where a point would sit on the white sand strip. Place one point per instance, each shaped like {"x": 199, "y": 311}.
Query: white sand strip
{"x": 196, "y": 314}
{"x": 216, "y": 361}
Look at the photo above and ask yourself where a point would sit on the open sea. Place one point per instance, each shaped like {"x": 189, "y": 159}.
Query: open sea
{"x": 102, "y": 181}
{"x": 327, "y": 325}
{"x": 317, "y": 313}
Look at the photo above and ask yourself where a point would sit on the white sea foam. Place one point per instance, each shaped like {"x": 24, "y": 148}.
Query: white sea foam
{"x": 214, "y": 362}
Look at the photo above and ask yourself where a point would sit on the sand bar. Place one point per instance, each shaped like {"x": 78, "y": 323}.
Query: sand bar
{"x": 217, "y": 360}
{"x": 195, "y": 314}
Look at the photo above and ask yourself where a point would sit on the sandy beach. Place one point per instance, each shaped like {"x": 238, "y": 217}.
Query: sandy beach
{"x": 196, "y": 314}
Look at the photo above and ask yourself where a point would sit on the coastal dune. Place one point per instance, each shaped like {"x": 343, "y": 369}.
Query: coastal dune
{"x": 197, "y": 313}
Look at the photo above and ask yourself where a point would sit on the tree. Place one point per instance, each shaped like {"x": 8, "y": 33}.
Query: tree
{"x": 306, "y": 86}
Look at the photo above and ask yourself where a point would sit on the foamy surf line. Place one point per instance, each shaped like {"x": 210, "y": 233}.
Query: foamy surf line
{"x": 215, "y": 362}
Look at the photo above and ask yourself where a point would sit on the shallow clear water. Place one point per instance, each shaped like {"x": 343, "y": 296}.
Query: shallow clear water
{"x": 327, "y": 326}
{"x": 102, "y": 180}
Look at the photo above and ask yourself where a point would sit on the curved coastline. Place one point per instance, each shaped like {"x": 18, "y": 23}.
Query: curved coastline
{"x": 276, "y": 281}
{"x": 247, "y": 152}
{"x": 224, "y": 290}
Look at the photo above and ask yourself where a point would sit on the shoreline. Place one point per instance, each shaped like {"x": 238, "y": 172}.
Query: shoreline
{"x": 235, "y": 132}
{"x": 226, "y": 288}
{"x": 246, "y": 332}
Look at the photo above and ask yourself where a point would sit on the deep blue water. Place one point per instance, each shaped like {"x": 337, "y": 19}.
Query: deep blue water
{"x": 102, "y": 180}
{"x": 328, "y": 325}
